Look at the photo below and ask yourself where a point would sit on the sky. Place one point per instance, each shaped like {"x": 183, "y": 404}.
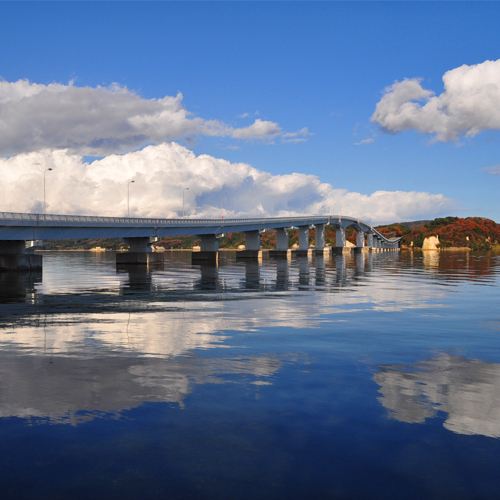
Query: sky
{"x": 386, "y": 111}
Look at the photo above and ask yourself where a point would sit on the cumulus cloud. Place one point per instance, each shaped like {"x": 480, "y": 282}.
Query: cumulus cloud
{"x": 103, "y": 120}
{"x": 162, "y": 172}
{"x": 469, "y": 104}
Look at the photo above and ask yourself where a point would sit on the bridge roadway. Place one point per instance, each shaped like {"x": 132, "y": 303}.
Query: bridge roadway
{"x": 139, "y": 233}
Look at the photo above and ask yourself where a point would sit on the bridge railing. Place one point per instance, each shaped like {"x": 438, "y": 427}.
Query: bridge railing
{"x": 147, "y": 221}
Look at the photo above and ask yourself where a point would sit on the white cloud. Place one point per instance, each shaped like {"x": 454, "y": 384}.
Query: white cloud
{"x": 492, "y": 170}
{"x": 260, "y": 129}
{"x": 162, "y": 172}
{"x": 102, "y": 120}
{"x": 364, "y": 141}
{"x": 469, "y": 104}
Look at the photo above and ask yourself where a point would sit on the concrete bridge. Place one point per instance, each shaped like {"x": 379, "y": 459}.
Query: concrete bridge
{"x": 21, "y": 233}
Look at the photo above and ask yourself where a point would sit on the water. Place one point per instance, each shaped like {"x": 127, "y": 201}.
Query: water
{"x": 373, "y": 376}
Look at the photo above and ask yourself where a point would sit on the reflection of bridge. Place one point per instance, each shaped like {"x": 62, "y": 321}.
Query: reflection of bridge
{"x": 17, "y": 229}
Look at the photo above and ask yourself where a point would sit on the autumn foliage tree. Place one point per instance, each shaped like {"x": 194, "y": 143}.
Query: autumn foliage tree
{"x": 477, "y": 233}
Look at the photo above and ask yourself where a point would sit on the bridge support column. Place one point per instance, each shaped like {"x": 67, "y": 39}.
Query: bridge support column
{"x": 252, "y": 247}
{"x": 360, "y": 242}
{"x": 282, "y": 244}
{"x": 209, "y": 251}
{"x": 340, "y": 242}
{"x": 14, "y": 258}
{"x": 139, "y": 252}
{"x": 303, "y": 249}
{"x": 369, "y": 241}
{"x": 320, "y": 248}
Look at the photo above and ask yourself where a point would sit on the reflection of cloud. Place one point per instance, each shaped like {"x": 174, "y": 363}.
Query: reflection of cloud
{"x": 468, "y": 390}
{"x": 68, "y": 390}
{"x": 112, "y": 349}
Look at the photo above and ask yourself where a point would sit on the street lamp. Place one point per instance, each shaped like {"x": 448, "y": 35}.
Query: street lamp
{"x": 251, "y": 196}
{"x": 44, "y": 204}
{"x": 221, "y": 206}
{"x": 274, "y": 197}
{"x": 289, "y": 209}
{"x": 128, "y": 197}
{"x": 304, "y": 206}
{"x": 185, "y": 189}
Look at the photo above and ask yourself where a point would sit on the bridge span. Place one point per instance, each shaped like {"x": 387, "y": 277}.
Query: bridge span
{"x": 21, "y": 233}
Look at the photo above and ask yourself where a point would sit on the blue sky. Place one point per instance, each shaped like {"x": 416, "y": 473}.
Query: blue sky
{"x": 322, "y": 66}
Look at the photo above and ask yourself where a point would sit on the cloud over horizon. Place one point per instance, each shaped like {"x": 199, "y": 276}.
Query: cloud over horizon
{"x": 469, "y": 104}
{"x": 162, "y": 172}
{"x": 104, "y": 120}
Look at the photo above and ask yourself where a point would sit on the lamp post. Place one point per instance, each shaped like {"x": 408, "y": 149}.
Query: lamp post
{"x": 289, "y": 209}
{"x": 185, "y": 189}
{"x": 251, "y": 196}
{"x": 221, "y": 206}
{"x": 44, "y": 204}
{"x": 128, "y": 197}
{"x": 304, "y": 206}
{"x": 274, "y": 197}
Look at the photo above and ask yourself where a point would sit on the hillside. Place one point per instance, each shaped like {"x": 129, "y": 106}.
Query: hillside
{"x": 476, "y": 233}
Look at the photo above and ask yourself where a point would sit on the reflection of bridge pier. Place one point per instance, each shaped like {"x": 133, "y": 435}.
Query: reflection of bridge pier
{"x": 282, "y": 276}
{"x": 252, "y": 275}
{"x": 320, "y": 270}
{"x": 360, "y": 263}
{"x": 341, "y": 270}
{"x": 369, "y": 262}
{"x": 209, "y": 278}
{"x": 16, "y": 285}
{"x": 139, "y": 277}
{"x": 304, "y": 274}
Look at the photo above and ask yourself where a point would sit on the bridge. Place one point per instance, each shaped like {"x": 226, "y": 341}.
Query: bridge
{"x": 21, "y": 233}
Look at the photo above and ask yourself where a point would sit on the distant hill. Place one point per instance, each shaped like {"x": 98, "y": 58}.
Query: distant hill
{"x": 416, "y": 223}
{"x": 476, "y": 233}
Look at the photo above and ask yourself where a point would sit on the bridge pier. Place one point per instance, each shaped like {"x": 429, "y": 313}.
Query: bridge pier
{"x": 320, "y": 248}
{"x": 13, "y": 257}
{"x": 340, "y": 242}
{"x": 282, "y": 244}
{"x": 209, "y": 251}
{"x": 369, "y": 241}
{"x": 252, "y": 247}
{"x": 303, "y": 250}
{"x": 360, "y": 242}
{"x": 140, "y": 252}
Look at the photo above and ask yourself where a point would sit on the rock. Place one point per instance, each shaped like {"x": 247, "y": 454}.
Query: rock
{"x": 430, "y": 243}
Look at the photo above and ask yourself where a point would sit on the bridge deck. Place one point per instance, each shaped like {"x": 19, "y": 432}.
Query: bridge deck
{"x": 19, "y": 226}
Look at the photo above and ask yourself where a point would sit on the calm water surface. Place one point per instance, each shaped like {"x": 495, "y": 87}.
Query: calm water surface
{"x": 373, "y": 376}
